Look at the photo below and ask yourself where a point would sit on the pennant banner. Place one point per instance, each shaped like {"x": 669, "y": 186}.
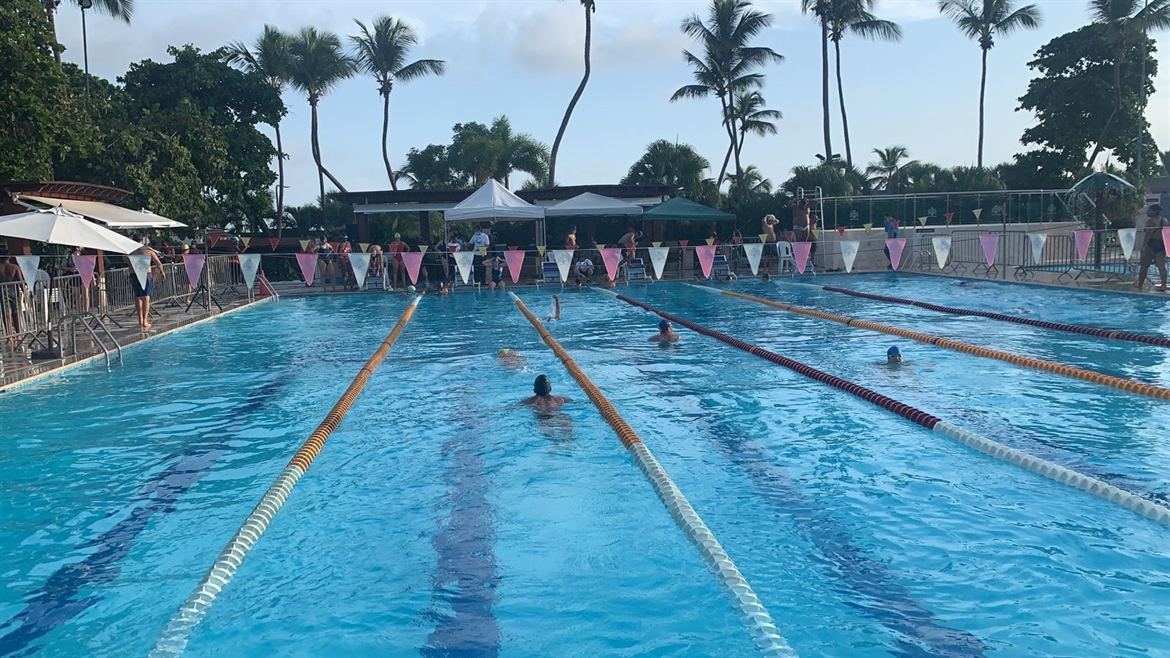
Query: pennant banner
{"x": 305, "y": 245}
{"x": 942, "y": 249}
{"x": 361, "y": 268}
{"x": 364, "y": 246}
{"x": 1128, "y": 238}
{"x": 212, "y": 239}
{"x": 763, "y": 237}
{"x": 193, "y": 264}
{"x": 868, "y": 227}
{"x": 841, "y": 231}
{"x": 1037, "y": 240}
{"x": 754, "y": 251}
{"x": 990, "y": 243}
{"x": 463, "y": 260}
{"x": 85, "y": 265}
{"x": 801, "y": 250}
{"x": 413, "y": 259}
{"x": 515, "y": 260}
{"x": 849, "y": 250}
{"x": 683, "y": 243}
{"x": 247, "y": 242}
{"x": 978, "y": 213}
{"x": 656, "y": 244}
{"x": 28, "y": 268}
{"x": 540, "y": 250}
{"x": 658, "y": 260}
{"x": 249, "y": 265}
{"x": 922, "y": 220}
{"x": 1083, "y": 237}
{"x": 308, "y": 263}
{"x": 706, "y": 254}
{"x": 275, "y": 242}
{"x": 1166, "y": 238}
{"x": 710, "y": 241}
{"x": 141, "y": 266}
{"x": 611, "y": 257}
{"x": 895, "y": 245}
{"x": 564, "y": 258}
{"x": 950, "y": 216}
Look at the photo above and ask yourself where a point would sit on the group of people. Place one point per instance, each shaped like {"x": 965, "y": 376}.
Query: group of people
{"x": 804, "y": 226}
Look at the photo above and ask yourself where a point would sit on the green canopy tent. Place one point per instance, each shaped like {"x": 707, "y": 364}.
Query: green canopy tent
{"x": 681, "y": 209}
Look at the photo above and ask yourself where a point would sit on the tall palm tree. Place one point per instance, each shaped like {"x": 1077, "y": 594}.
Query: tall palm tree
{"x": 666, "y": 163}
{"x": 983, "y": 20}
{"x": 270, "y": 59}
{"x": 854, "y": 17}
{"x": 748, "y": 107}
{"x": 1125, "y": 23}
{"x": 590, "y": 8}
{"x": 820, "y": 9}
{"x": 889, "y": 172}
{"x": 754, "y": 181}
{"x": 383, "y": 54}
{"x": 120, "y": 9}
{"x": 729, "y": 64}
{"x": 318, "y": 64}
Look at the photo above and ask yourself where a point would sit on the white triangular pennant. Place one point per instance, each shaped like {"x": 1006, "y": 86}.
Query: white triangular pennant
{"x": 658, "y": 260}
{"x": 249, "y": 265}
{"x": 564, "y": 258}
{"x": 942, "y": 249}
{"x": 754, "y": 250}
{"x": 28, "y": 267}
{"x": 141, "y": 265}
{"x": 463, "y": 260}
{"x": 849, "y": 252}
{"x": 361, "y": 266}
{"x": 1127, "y": 237}
{"x": 1037, "y": 240}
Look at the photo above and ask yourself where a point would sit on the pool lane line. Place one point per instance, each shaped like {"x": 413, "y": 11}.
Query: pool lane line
{"x": 1128, "y": 385}
{"x": 751, "y": 612}
{"x": 1161, "y": 341}
{"x": 174, "y": 638}
{"x": 1056, "y": 472}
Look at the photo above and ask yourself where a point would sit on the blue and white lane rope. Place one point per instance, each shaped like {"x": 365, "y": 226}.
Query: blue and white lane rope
{"x": 751, "y": 612}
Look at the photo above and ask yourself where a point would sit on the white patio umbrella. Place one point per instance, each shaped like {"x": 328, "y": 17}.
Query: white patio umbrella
{"x": 59, "y": 226}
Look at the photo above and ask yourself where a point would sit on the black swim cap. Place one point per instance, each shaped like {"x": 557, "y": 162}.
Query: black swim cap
{"x": 542, "y": 386}
{"x": 663, "y": 325}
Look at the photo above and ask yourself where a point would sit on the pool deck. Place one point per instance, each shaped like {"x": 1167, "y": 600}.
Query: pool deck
{"x": 18, "y": 367}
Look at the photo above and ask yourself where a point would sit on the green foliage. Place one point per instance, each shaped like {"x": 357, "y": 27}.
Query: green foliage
{"x": 481, "y": 152}
{"x": 832, "y": 180}
{"x": 676, "y": 165}
{"x": 31, "y": 91}
{"x": 431, "y": 169}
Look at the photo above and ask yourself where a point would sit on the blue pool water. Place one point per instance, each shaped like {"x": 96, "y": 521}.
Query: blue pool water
{"x": 441, "y": 519}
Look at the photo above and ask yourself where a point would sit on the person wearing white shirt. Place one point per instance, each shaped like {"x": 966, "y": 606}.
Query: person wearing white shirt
{"x": 479, "y": 243}
{"x": 583, "y": 273}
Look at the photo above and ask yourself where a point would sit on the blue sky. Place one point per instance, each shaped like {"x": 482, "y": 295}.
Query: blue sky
{"x": 522, "y": 58}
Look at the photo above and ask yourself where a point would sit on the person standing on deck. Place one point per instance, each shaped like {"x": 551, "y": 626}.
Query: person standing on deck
{"x": 397, "y": 266}
{"x": 891, "y": 233}
{"x": 1153, "y": 247}
{"x": 142, "y": 293}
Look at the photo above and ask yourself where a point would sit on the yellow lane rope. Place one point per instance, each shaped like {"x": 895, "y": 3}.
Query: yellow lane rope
{"x": 1048, "y": 366}
{"x": 747, "y": 605}
{"x": 173, "y": 641}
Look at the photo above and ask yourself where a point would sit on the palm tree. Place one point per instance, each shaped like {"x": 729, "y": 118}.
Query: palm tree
{"x": 820, "y": 9}
{"x": 318, "y": 64}
{"x": 120, "y": 9}
{"x": 590, "y": 8}
{"x": 853, "y": 16}
{"x": 517, "y": 152}
{"x": 754, "y": 181}
{"x": 889, "y": 172}
{"x": 983, "y": 20}
{"x": 383, "y": 54}
{"x": 1125, "y": 23}
{"x": 666, "y": 163}
{"x": 728, "y": 64}
{"x": 748, "y": 109}
{"x": 271, "y": 60}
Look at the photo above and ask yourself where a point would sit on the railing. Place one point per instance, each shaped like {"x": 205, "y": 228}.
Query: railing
{"x": 1004, "y": 208}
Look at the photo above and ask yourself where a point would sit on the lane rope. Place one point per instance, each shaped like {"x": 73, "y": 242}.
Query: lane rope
{"x": 1130, "y": 386}
{"x": 1161, "y": 341}
{"x": 751, "y": 612}
{"x": 174, "y": 638}
{"x": 1056, "y": 472}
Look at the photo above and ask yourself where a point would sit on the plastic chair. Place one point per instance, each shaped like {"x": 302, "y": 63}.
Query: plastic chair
{"x": 787, "y": 257}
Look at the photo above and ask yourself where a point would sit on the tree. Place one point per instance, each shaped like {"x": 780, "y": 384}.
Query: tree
{"x": 749, "y": 110}
{"x": 854, "y": 17}
{"x": 318, "y": 65}
{"x": 590, "y": 8}
{"x": 675, "y": 165}
{"x": 120, "y": 9}
{"x": 271, "y": 60}
{"x": 481, "y": 152}
{"x": 383, "y": 54}
{"x": 729, "y": 64}
{"x": 983, "y": 20}
{"x": 820, "y": 9}
{"x": 887, "y": 174}
{"x": 431, "y": 169}
{"x": 1124, "y": 24}
{"x": 1071, "y": 97}
{"x": 831, "y": 179}
{"x": 30, "y": 92}
{"x": 754, "y": 182}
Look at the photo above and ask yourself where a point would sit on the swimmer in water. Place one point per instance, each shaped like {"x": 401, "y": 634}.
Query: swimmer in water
{"x": 893, "y": 356}
{"x": 766, "y": 278}
{"x": 544, "y": 400}
{"x": 556, "y": 315}
{"x": 665, "y": 333}
{"x": 511, "y": 359}
{"x": 967, "y": 284}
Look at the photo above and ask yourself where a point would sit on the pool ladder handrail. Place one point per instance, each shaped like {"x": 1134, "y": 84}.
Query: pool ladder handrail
{"x": 74, "y": 318}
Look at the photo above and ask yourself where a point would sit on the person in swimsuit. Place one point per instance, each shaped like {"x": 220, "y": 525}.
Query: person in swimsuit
{"x": 769, "y": 225}
{"x": 397, "y": 266}
{"x": 544, "y": 400}
{"x": 1153, "y": 247}
{"x": 497, "y": 268}
{"x": 10, "y": 297}
{"x": 891, "y": 234}
{"x": 893, "y": 355}
{"x": 571, "y": 238}
{"x": 511, "y": 359}
{"x": 325, "y": 260}
{"x": 665, "y": 333}
{"x": 142, "y": 293}
{"x": 556, "y": 314}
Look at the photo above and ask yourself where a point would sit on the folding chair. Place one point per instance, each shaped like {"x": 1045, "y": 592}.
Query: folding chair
{"x": 635, "y": 270}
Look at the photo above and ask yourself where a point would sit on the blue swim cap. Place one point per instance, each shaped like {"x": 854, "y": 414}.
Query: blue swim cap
{"x": 892, "y": 351}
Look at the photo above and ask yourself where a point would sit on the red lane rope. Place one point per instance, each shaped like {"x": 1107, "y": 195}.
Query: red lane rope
{"x": 1161, "y": 341}
{"x": 904, "y": 410}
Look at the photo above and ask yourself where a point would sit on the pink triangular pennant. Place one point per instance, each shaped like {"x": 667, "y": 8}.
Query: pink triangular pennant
{"x": 801, "y": 250}
{"x": 841, "y": 231}
{"x": 706, "y": 254}
{"x": 895, "y": 245}
{"x": 85, "y": 265}
{"x": 950, "y": 216}
{"x": 683, "y": 243}
{"x": 611, "y": 257}
{"x": 1166, "y": 238}
{"x": 513, "y": 248}
{"x": 990, "y": 243}
{"x": 275, "y": 242}
{"x": 212, "y": 239}
{"x": 193, "y": 263}
{"x": 413, "y": 260}
{"x": 1083, "y": 237}
{"x": 308, "y": 263}
{"x": 515, "y": 260}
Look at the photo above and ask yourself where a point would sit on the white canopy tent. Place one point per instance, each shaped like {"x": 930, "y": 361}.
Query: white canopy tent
{"x": 110, "y": 215}
{"x": 59, "y": 226}
{"x": 493, "y": 201}
{"x": 593, "y": 205}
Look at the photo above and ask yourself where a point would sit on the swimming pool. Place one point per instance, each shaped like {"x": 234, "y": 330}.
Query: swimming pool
{"x": 442, "y": 519}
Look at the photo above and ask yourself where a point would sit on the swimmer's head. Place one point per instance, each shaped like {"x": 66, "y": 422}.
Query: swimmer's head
{"x": 766, "y": 277}
{"x": 542, "y": 386}
{"x": 894, "y": 355}
{"x": 664, "y": 326}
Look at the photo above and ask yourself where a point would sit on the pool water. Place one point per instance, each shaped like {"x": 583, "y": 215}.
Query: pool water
{"x": 443, "y": 519}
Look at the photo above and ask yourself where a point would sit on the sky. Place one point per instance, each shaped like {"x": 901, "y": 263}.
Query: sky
{"x": 524, "y": 59}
